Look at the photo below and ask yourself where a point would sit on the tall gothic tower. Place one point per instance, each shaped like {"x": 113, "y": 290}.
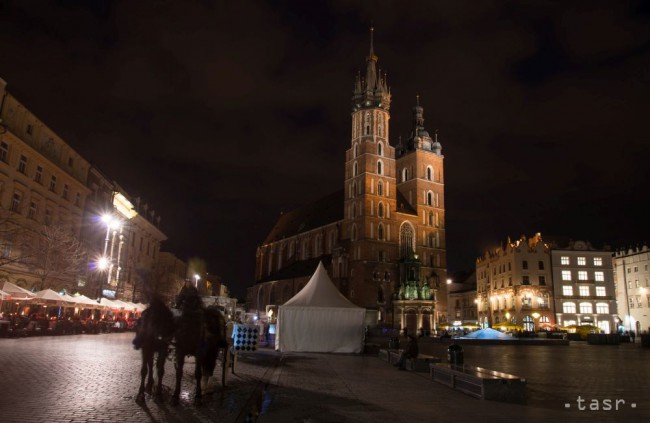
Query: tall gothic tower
{"x": 370, "y": 189}
{"x": 421, "y": 184}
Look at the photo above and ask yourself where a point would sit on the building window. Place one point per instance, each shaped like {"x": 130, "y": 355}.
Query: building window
{"x": 406, "y": 238}
{"x": 380, "y": 149}
{"x": 65, "y": 191}
{"x": 356, "y": 151}
{"x": 564, "y": 260}
{"x": 600, "y": 291}
{"x": 22, "y": 164}
{"x": 38, "y": 176}
{"x": 510, "y": 281}
{"x": 582, "y": 261}
{"x": 599, "y": 276}
{"x": 566, "y": 275}
{"x": 540, "y": 265}
{"x": 405, "y": 175}
{"x": 525, "y": 280}
{"x": 542, "y": 280}
{"x": 524, "y": 264}
{"x": 380, "y": 232}
{"x": 429, "y": 198}
{"x": 631, "y": 302}
{"x": 4, "y": 151}
{"x": 379, "y": 168}
{"x": 584, "y": 291}
{"x": 53, "y": 183}
{"x": 429, "y": 173}
{"x": 355, "y": 169}
{"x": 567, "y": 291}
{"x": 569, "y": 308}
{"x": 602, "y": 308}
{"x": 586, "y": 308}
{"x": 32, "y": 210}
{"x": 15, "y": 202}
{"x": 638, "y": 301}
{"x": 380, "y": 188}
{"x": 582, "y": 275}
{"x": 598, "y": 261}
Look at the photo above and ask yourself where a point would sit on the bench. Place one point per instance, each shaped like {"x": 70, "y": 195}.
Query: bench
{"x": 391, "y": 356}
{"x": 421, "y": 363}
{"x": 480, "y": 382}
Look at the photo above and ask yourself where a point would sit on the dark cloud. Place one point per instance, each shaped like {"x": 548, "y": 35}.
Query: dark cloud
{"x": 223, "y": 114}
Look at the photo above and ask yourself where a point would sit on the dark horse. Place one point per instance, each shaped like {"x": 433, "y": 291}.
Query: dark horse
{"x": 200, "y": 332}
{"x": 154, "y": 332}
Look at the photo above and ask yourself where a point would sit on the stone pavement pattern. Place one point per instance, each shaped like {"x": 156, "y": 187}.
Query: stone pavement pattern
{"x": 94, "y": 378}
{"x": 335, "y": 388}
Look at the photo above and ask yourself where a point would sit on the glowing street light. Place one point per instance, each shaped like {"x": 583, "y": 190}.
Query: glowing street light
{"x": 106, "y": 262}
{"x": 196, "y": 280}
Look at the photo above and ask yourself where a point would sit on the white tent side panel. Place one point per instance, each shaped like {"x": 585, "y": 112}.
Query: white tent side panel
{"x": 320, "y": 329}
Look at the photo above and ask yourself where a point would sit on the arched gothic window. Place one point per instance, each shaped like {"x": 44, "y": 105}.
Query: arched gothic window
{"x": 355, "y": 169}
{"x": 380, "y": 210}
{"x": 429, "y": 173}
{"x": 380, "y": 149}
{"x": 379, "y": 168}
{"x": 380, "y": 232}
{"x": 405, "y": 175}
{"x": 429, "y": 198}
{"x": 430, "y": 218}
{"x": 380, "y": 188}
{"x": 356, "y": 150}
{"x": 406, "y": 239}
{"x": 366, "y": 123}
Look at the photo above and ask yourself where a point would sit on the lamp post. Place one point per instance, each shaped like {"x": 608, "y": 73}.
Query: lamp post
{"x": 196, "y": 281}
{"x": 111, "y": 258}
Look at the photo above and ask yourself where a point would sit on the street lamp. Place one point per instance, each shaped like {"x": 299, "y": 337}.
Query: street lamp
{"x": 110, "y": 258}
{"x": 196, "y": 280}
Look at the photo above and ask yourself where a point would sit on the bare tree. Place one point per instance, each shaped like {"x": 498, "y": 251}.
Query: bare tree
{"x": 12, "y": 237}
{"x": 56, "y": 256}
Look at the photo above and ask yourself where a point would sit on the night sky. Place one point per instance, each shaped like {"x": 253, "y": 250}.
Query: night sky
{"x": 223, "y": 114}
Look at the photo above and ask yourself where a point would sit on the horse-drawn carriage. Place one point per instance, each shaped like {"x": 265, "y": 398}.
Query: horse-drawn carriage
{"x": 198, "y": 331}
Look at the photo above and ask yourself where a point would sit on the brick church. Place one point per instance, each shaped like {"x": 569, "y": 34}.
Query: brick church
{"x": 382, "y": 237}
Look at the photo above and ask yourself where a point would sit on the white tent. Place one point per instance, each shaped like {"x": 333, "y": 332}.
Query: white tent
{"x": 320, "y": 319}
{"x": 16, "y": 292}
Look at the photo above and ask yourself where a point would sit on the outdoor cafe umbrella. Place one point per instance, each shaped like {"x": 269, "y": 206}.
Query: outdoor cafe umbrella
{"x": 48, "y": 296}
{"x": 4, "y": 296}
{"x": 16, "y": 292}
{"x": 86, "y": 302}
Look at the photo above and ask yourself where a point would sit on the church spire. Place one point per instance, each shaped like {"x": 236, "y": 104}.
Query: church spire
{"x": 371, "y": 91}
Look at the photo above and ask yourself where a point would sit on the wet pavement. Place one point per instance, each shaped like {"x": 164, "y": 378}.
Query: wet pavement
{"x": 94, "y": 378}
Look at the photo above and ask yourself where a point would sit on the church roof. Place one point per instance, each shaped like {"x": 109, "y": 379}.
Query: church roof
{"x": 322, "y": 212}
{"x": 298, "y": 269}
{"x": 403, "y": 205}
